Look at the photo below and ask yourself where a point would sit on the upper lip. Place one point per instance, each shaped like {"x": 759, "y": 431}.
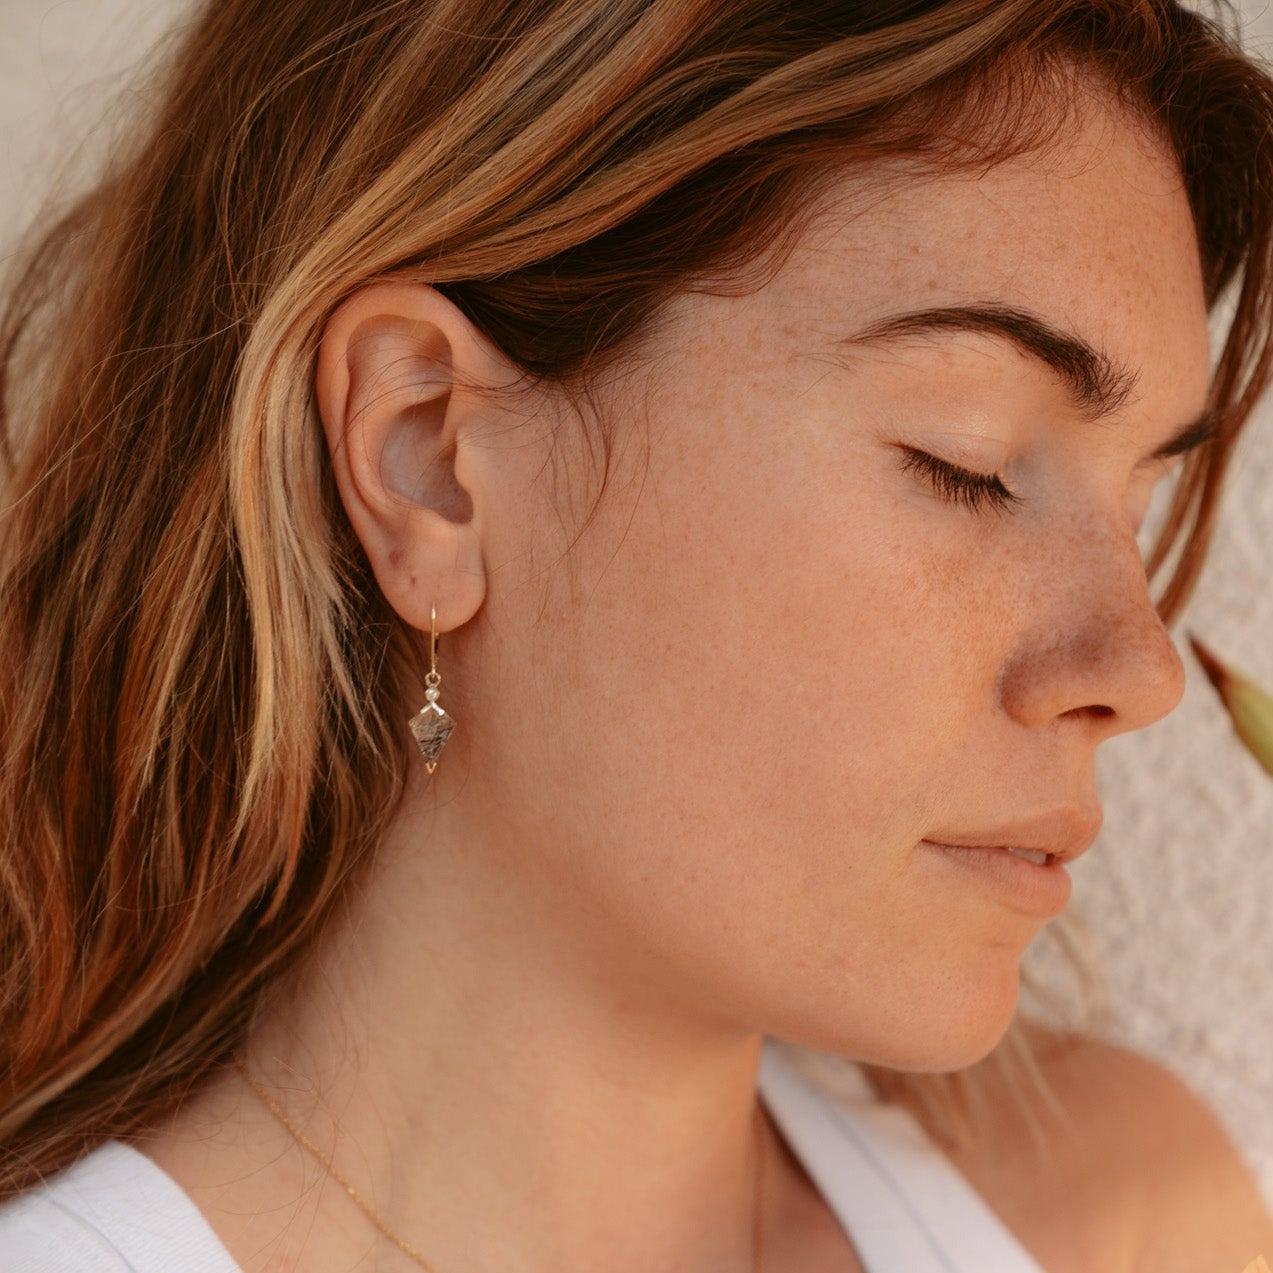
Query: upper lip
{"x": 1066, "y": 831}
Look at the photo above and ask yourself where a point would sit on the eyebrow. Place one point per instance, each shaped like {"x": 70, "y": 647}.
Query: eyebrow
{"x": 1097, "y": 384}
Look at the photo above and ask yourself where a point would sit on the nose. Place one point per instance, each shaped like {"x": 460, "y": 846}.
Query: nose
{"x": 1093, "y": 646}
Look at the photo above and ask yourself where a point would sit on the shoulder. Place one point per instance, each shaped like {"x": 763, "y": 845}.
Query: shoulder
{"x": 1192, "y": 1198}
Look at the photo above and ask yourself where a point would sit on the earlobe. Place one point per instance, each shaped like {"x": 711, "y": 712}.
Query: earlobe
{"x": 390, "y": 382}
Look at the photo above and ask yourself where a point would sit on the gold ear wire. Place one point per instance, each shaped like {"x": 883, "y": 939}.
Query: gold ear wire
{"x": 433, "y": 642}
{"x": 431, "y": 726}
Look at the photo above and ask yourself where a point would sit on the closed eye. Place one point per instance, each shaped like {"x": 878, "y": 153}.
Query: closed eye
{"x": 981, "y": 492}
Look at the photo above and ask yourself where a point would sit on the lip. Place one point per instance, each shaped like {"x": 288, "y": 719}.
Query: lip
{"x": 1031, "y": 888}
{"x": 1066, "y": 831}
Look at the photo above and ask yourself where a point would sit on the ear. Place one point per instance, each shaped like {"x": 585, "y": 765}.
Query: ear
{"x": 402, "y": 426}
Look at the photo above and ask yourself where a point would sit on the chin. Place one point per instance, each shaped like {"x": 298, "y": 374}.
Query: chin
{"x": 946, "y": 1025}
{"x": 960, "y": 1029}
{"x": 940, "y": 1055}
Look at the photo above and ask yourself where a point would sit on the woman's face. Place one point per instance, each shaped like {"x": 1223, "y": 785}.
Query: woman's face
{"x": 706, "y": 734}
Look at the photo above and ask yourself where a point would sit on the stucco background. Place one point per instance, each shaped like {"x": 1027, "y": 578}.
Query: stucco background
{"x": 1177, "y": 893}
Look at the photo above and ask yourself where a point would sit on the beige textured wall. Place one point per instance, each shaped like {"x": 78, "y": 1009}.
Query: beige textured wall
{"x": 60, "y": 60}
{"x": 1179, "y": 888}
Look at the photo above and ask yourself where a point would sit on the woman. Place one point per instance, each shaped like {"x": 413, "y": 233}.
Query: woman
{"x": 741, "y": 417}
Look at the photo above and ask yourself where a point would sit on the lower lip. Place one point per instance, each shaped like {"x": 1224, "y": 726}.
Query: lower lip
{"x": 1041, "y": 890}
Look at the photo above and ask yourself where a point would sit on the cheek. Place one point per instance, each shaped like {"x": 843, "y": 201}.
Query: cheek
{"x": 774, "y": 652}
{"x": 753, "y": 717}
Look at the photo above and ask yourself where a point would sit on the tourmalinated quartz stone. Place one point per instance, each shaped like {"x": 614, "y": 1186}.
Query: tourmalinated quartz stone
{"x": 431, "y": 727}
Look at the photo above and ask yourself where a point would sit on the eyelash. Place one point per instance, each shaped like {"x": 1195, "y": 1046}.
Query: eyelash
{"x": 978, "y": 491}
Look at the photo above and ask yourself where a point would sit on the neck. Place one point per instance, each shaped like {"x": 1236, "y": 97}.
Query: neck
{"x": 509, "y": 1082}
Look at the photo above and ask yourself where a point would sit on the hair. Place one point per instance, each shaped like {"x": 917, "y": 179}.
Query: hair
{"x": 199, "y": 676}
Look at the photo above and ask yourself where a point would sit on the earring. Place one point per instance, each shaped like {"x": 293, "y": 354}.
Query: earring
{"x": 431, "y": 726}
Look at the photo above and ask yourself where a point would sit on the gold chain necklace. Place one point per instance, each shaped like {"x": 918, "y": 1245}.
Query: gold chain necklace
{"x": 403, "y": 1245}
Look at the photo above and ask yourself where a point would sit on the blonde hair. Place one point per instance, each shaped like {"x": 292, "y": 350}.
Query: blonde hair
{"x": 198, "y": 674}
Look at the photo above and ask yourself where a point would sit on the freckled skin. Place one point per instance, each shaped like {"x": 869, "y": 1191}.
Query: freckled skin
{"x": 696, "y": 746}
{"x": 783, "y": 661}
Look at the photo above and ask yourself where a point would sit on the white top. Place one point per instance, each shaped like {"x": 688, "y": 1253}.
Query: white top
{"x": 902, "y": 1203}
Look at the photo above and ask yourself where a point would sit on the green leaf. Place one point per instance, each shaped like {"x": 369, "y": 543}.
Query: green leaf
{"x": 1250, "y": 708}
